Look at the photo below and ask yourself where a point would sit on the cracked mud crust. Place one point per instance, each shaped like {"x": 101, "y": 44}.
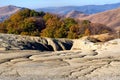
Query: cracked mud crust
{"x": 59, "y": 65}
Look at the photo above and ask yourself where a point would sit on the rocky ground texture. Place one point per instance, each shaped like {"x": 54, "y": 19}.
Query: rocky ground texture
{"x": 85, "y": 61}
{"x": 18, "y": 42}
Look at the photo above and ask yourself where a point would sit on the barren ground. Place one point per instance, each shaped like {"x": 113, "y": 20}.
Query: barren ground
{"x": 59, "y": 65}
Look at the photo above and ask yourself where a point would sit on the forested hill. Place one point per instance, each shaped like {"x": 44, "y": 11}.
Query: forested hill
{"x": 30, "y": 22}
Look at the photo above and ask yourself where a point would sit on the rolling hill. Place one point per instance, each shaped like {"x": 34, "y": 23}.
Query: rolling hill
{"x": 75, "y": 14}
{"x": 6, "y": 11}
{"x": 110, "y": 18}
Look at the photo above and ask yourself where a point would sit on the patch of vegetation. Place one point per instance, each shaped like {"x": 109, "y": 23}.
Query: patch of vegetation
{"x": 30, "y": 22}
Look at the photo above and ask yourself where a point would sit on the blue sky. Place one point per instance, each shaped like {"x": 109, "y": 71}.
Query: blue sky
{"x": 54, "y": 3}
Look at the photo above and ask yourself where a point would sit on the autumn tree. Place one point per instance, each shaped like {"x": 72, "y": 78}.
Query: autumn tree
{"x": 87, "y": 32}
{"x": 30, "y": 22}
{"x": 25, "y": 21}
{"x": 53, "y": 23}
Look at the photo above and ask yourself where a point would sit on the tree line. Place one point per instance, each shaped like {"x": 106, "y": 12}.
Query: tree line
{"x": 30, "y": 22}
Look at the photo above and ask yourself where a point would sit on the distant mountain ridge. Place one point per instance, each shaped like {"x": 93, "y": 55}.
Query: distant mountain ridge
{"x": 7, "y": 11}
{"x": 87, "y": 9}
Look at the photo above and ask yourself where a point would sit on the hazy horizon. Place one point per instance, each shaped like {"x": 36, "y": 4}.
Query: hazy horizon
{"x": 53, "y": 3}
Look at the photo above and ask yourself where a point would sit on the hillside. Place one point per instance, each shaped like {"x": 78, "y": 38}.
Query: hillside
{"x": 110, "y": 18}
{"x": 30, "y": 22}
{"x": 87, "y": 9}
{"x": 6, "y": 11}
{"x": 75, "y": 14}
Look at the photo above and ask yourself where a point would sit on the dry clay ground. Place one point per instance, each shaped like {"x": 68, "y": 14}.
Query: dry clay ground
{"x": 100, "y": 64}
